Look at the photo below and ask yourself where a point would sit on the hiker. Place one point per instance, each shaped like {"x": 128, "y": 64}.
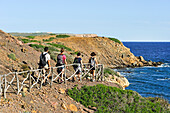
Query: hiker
{"x": 45, "y": 63}
{"x": 93, "y": 63}
{"x": 61, "y": 61}
{"x": 78, "y": 68}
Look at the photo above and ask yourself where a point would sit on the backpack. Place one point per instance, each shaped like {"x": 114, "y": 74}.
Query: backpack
{"x": 76, "y": 60}
{"x": 60, "y": 60}
{"x": 92, "y": 62}
{"x": 43, "y": 60}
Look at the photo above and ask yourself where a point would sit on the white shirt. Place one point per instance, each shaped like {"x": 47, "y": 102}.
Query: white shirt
{"x": 47, "y": 57}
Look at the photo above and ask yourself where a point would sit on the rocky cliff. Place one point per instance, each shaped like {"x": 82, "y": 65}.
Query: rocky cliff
{"x": 109, "y": 52}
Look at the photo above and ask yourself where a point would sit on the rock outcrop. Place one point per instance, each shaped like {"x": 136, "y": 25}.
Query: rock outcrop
{"x": 118, "y": 79}
{"x": 110, "y": 53}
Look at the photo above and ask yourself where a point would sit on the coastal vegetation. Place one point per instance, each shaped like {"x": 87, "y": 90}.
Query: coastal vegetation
{"x": 59, "y": 46}
{"x": 30, "y": 37}
{"x": 109, "y": 99}
{"x": 12, "y": 56}
{"x": 115, "y": 40}
{"x": 47, "y": 40}
{"x": 62, "y": 36}
{"x": 28, "y": 41}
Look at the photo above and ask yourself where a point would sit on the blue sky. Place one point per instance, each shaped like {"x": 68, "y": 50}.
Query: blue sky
{"x": 124, "y": 19}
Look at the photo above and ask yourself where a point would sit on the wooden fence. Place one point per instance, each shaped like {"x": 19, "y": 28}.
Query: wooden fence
{"x": 16, "y": 81}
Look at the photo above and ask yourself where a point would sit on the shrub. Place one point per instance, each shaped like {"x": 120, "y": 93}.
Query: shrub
{"x": 50, "y": 39}
{"x": 115, "y": 40}
{"x": 27, "y": 40}
{"x": 62, "y": 36}
{"x": 36, "y": 46}
{"x": 52, "y": 34}
{"x": 30, "y": 37}
{"x": 59, "y": 46}
{"x": 12, "y": 56}
{"x": 101, "y": 97}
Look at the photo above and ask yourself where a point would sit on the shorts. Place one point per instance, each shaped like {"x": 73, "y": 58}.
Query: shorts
{"x": 93, "y": 68}
{"x": 78, "y": 70}
{"x": 60, "y": 69}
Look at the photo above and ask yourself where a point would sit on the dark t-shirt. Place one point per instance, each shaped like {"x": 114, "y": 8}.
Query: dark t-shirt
{"x": 77, "y": 60}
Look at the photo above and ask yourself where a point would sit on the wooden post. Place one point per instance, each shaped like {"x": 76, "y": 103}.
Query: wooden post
{"x": 102, "y": 77}
{"x": 29, "y": 81}
{"x": 51, "y": 77}
{"x": 65, "y": 81}
{"x": 41, "y": 77}
{"x": 5, "y": 86}
{"x": 17, "y": 83}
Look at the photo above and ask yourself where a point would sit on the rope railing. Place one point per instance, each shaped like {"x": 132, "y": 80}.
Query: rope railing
{"x": 35, "y": 78}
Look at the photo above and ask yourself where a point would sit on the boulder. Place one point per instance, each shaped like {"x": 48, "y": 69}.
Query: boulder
{"x": 134, "y": 64}
{"x": 140, "y": 64}
{"x": 141, "y": 58}
{"x": 155, "y": 64}
{"x": 72, "y": 107}
{"x": 150, "y": 63}
{"x": 126, "y": 82}
{"x": 62, "y": 91}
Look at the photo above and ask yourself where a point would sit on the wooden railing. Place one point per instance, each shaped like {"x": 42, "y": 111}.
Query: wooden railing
{"x": 35, "y": 78}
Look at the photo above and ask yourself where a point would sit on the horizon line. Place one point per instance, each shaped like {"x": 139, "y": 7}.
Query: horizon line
{"x": 145, "y": 40}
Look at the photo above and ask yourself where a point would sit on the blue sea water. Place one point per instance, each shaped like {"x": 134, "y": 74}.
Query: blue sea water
{"x": 150, "y": 81}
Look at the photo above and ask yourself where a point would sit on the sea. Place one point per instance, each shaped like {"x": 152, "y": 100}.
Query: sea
{"x": 150, "y": 81}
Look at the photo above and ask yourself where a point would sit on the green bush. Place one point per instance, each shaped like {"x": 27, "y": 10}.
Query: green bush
{"x": 59, "y": 46}
{"x": 28, "y": 41}
{"x": 52, "y": 34}
{"x": 113, "y": 100}
{"x": 50, "y": 39}
{"x": 30, "y": 37}
{"x": 12, "y": 56}
{"x": 115, "y": 40}
{"x": 36, "y": 46}
{"x": 62, "y": 36}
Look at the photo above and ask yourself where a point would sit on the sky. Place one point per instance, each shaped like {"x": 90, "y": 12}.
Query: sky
{"x": 127, "y": 20}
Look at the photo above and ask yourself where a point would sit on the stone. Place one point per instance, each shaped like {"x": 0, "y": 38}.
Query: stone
{"x": 134, "y": 64}
{"x": 155, "y": 64}
{"x": 141, "y": 58}
{"x": 72, "y": 107}
{"x": 140, "y": 64}
{"x": 150, "y": 63}
{"x": 12, "y": 50}
{"x": 62, "y": 91}
{"x": 23, "y": 50}
{"x": 63, "y": 106}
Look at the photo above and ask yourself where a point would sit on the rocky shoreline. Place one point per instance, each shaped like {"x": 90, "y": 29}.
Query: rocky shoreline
{"x": 141, "y": 63}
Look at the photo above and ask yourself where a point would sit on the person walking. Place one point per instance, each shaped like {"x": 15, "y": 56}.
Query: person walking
{"x": 61, "y": 61}
{"x": 78, "y": 66}
{"x": 45, "y": 63}
{"x": 93, "y": 63}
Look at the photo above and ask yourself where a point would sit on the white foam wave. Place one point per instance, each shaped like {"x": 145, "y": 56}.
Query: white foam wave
{"x": 165, "y": 65}
{"x": 164, "y": 79}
